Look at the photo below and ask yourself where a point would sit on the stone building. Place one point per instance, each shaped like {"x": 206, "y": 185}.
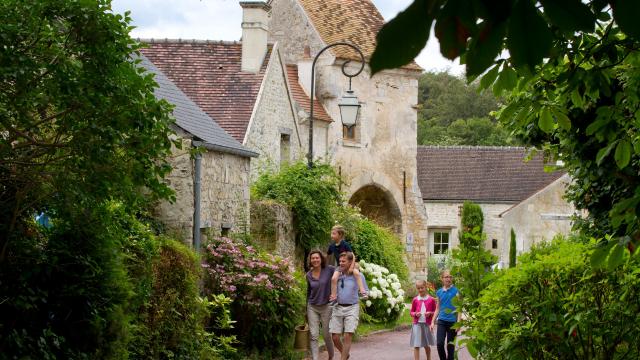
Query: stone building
{"x": 377, "y": 157}
{"x": 538, "y": 218}
{"x": 243, "y": 85}
{"x": 211, "y": 187}
{"x": 511, "y": 192}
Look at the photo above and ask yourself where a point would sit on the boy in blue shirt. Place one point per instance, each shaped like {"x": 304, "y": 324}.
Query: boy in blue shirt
{"x": 340, "y": 245}
{"x": 446, "y": 316}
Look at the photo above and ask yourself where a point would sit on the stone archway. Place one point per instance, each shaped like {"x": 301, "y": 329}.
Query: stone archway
{"x": 378, "y": 205}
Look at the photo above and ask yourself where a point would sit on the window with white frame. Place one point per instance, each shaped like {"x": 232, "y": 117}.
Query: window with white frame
{"x": 440, "y": 242}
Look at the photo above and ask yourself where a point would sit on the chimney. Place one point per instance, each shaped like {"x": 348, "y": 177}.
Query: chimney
{"x": 255, "y": 31}
{"x": 304, "y": 71}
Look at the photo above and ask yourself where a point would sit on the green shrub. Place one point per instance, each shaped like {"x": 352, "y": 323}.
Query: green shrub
{"x": 471, "y": 218}
{"x": 435, "y": 265}
{"x": 267, "y": 295}
{"x": 170, "y": 320}
{"x": 312, "y": 195}
{"x": 373, "y": 243}
{"x": 512, "y": 249}
{"x": 472, "y": 268}
{"x": 65, "y": 291}
{"x": 554, "y": 305}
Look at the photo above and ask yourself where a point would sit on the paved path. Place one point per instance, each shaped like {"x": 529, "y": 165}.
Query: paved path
{"x": 392, "y": 345}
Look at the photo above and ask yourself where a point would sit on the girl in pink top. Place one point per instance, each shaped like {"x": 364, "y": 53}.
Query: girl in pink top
{"x": 422, "y": 310}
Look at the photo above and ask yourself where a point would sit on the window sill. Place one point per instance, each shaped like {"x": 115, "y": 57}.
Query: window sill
{"x": 351, "y": 143}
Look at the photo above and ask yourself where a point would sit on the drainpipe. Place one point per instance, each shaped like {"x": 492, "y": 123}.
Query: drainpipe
{"x": 196, "y": 202}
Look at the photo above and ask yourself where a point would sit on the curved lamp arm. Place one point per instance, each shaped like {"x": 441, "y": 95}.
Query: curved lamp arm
{"x": 313, "y": 78}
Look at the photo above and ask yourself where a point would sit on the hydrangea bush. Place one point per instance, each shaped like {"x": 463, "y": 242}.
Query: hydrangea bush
{"x": 267, "y": 293}
{"x": 386, "y": 297}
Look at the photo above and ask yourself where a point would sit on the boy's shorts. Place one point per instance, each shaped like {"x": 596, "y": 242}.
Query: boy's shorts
{"x": 344, "y": 319}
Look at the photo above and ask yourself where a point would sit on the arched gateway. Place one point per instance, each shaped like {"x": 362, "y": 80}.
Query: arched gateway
{"x": 378, "y": 204}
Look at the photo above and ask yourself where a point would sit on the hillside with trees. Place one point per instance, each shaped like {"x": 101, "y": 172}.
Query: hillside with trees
{"x": 453, "y": 112}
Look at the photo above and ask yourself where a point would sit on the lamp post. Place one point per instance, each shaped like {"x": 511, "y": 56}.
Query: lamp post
{"x": 348, "y": 103}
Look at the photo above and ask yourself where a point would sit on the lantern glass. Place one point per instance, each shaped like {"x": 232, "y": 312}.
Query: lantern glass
{"x": 349, "y": 108}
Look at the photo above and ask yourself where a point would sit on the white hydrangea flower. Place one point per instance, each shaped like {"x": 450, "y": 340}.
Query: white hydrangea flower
{"x": 368, "y": 303}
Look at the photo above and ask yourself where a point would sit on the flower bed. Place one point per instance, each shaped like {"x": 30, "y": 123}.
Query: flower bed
{"x": 386, "y": 297}
{"x": 267, "y": 294}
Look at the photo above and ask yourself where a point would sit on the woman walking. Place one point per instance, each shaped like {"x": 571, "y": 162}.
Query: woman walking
{"x": 318, "y": 308}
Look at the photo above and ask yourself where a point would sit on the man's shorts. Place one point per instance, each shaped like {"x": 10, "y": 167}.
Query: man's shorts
{"x": 344, "y": 319}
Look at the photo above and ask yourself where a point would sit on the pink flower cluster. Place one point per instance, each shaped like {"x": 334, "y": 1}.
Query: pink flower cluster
{"x": 239, "y": 270}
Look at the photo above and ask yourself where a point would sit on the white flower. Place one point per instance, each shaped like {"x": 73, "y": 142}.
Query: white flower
{"x": 388, "y": 311}
{"x": 368, "y": 303}
{"x": 375, "y": 281}
{"x": 385, "y": 270}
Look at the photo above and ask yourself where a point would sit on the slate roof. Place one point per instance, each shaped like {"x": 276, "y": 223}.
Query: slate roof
{"x": 301, "y": 97}
{"x": 208, "y": 72}
{"x": 353, "y": 21}
{"x": 482, "y": 173}
{"x": 191, "y": 118}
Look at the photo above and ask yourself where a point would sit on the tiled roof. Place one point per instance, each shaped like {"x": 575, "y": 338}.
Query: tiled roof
{"x": 191, "y": 118}
{"x": 353, "y": 21}
{"x": 480, "y": 173}
{"x": 302, "y": 98}
{"x": 209, "y": 73}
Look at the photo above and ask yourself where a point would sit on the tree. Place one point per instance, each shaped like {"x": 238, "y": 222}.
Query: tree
{"x": 512, "y": 249}
{"x": 81, "y": 136}
{"x": 447, "y": 98}
{"x": 572, "y": 78}
{"x": 453, "y": 112}
{"x": 79, "y": 122}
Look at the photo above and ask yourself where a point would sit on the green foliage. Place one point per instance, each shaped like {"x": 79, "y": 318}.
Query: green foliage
{"x": 80, "y": 124}
{"x": 170, "y": 321}
{"x": 478, "y": 31}
{"x": 312, "y": 195}
{"x": 512, "y": 249}
{"x": 472, "y": 268}
{"x": 584, "y": 110}
{"x": 472, "y": 218}
{"x": 267, "y": 294}
{"x": 453, "y": 112}
{"x": 65, "y": 292}
{"x": 573, "y": 90}
{"x": 554, "y": 305}
{"x": 435, "y": 265}
{"x": 373, "y": 243}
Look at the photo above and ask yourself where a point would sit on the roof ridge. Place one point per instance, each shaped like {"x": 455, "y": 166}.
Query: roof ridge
{"x": 192, "y": 41}
{"x": 472, "y": 147}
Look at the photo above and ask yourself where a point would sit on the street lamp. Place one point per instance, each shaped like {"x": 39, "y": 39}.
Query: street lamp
{"x": 348, "y": 103}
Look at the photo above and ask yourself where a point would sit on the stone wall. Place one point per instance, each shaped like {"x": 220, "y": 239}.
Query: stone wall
{"x": 272, "y": 229}
{"x": 291, "y": 28}
{"x": 273, "y": 117}
{"x": 538, "y": 218}
{"x": 224, "y": 193}
{"x": 384, "y": 151}
{"x": 178, "y": 216}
